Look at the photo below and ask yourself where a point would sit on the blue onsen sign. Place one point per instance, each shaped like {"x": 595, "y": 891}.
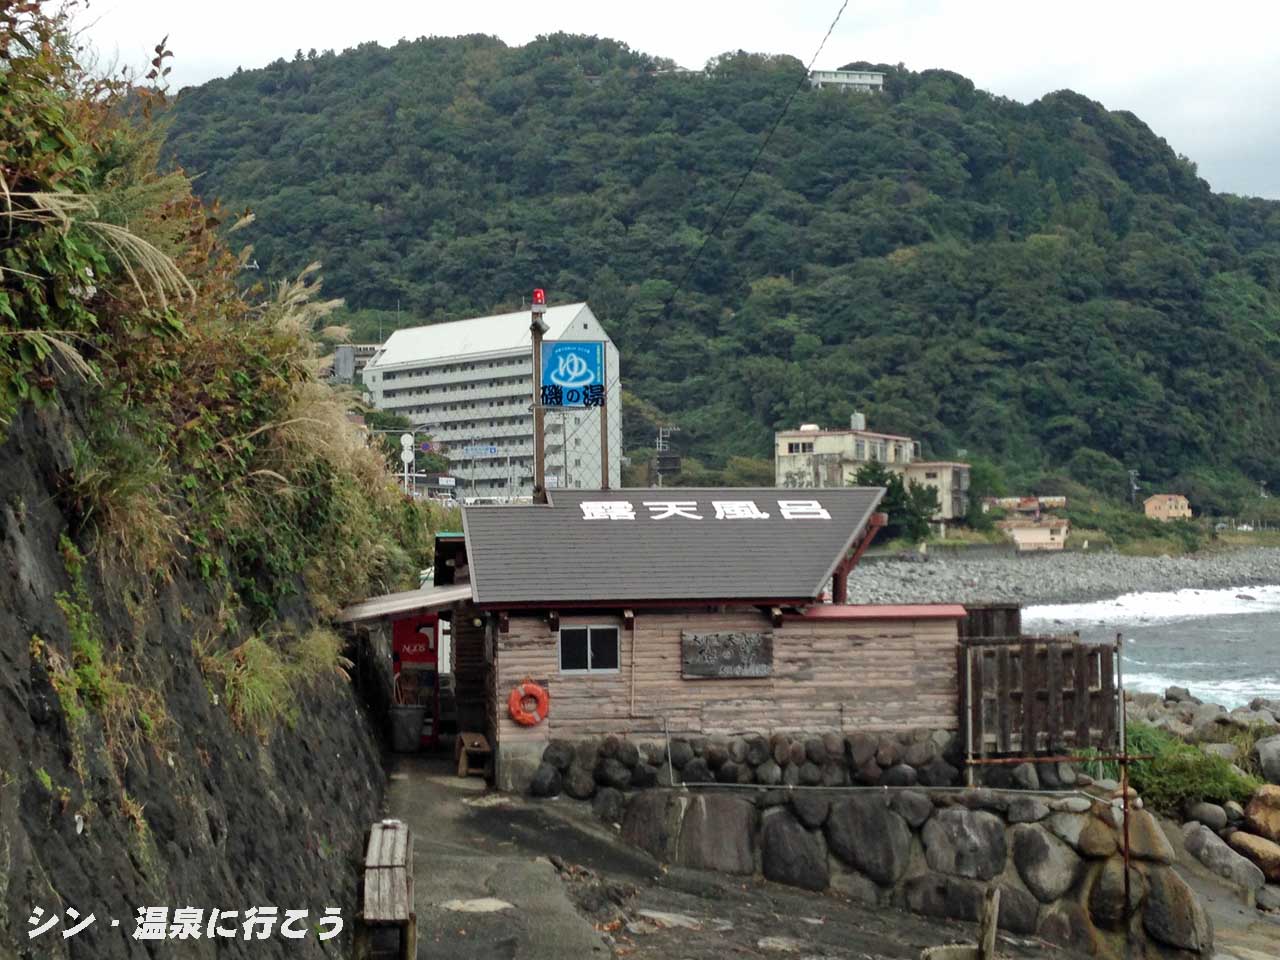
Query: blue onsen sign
{"x": 573, "y": 374}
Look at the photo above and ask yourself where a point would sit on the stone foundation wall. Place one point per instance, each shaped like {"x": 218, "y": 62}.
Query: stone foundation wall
{"x": 1057, "y": 862}
{"x": 931, "y": 757}
{"x": 925, "y": 757}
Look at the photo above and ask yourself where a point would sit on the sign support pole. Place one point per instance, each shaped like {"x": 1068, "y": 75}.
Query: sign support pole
{"x": 537, "y": 328}
{"x": 604, "y": 422}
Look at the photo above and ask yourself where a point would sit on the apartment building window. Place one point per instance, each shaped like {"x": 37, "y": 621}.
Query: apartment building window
{"x": 800, "y": 447}
{"x": 931, "y": 475}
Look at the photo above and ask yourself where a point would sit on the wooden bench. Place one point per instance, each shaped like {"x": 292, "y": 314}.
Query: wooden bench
{"x": 474, "y": 755}
{"x": 387, "y": 898}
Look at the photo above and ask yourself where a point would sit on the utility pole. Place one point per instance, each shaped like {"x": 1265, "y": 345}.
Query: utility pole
{"x": 537, "y": 328}
{"x": 661, "y": 446}
{"x": 1133, "y": 487}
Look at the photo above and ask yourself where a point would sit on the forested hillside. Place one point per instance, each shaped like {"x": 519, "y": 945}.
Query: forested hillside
{"x": 1047, "y": 285}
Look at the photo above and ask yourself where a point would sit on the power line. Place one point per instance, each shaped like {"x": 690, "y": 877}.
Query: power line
{"x": 666, "y": 311}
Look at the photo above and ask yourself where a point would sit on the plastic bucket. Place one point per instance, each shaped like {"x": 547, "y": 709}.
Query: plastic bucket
{"x": 406, "y": 728}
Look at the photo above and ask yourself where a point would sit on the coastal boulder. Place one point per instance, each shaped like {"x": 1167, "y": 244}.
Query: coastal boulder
{"x": 578, "y": 782}
{"x": 718, "y": 833}
{"x": 1174, "y": 914}
{"x": 1106, "y": 898}
{"x": 965, "y": 843}
{"x": 1268, "y": 750}
{"x": 546, "y": 781}
{"x": 791, "y": 854}
{"x": 559, "y": 754}
{"x": 1046, "y": 865}
{"x": 1210, "y": 814}
{"x": 810, "y": 809}
{"x": 1207, "y": 847}
{"x": 1263, "y": 813}
{"x": 1264, "y": 853}
{"x": 608, "y": 805}
{"x": 1146, "y": 840}
{"x": 867, "y": 835}
{"x": 652, "y": 823}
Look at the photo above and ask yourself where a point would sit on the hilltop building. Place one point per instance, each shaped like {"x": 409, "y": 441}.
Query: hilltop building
{"x": 1167, "y": 506}
{"x": 813, "y": 457}
{"x": 847, "y": 81}
{"x": 468, "y": 384}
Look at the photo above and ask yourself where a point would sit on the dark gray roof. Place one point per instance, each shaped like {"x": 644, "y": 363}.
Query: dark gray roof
{"x": 554, "y": 553}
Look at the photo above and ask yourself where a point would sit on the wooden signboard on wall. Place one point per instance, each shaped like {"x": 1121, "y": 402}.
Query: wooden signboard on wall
{"x": 725, "y": 655}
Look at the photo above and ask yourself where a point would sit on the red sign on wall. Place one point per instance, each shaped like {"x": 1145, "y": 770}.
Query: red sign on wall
{"x": 416, "y": 640}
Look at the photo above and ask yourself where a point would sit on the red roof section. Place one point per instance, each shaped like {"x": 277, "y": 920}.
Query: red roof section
{"x": 876, "y": 611}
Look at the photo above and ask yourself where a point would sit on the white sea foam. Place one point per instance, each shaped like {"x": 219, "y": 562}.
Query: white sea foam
{"x": 1169, "y": 607}
{"x": 1229, "y": 693}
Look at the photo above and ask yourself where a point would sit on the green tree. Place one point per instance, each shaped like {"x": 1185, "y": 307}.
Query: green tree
{"x": 909, "y": 506}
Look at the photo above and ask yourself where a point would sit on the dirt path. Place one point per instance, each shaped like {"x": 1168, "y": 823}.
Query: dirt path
{"x": 576, "y": 891}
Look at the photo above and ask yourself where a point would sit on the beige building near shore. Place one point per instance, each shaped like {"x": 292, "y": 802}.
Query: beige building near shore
{"x": 1047, "y": 533}
{"x": 812, "y": 457}
{"x": 1167, "y": 506}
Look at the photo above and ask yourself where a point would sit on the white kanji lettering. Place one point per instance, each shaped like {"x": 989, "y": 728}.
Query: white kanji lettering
{"x": 187, "y": 922}
{"x": 672, "y": 508}
{"x": 803, "y": 510}
{"x": 153, "y": 923}
{"x": 264, "y": 918}
{"x": 738, "y": 510}
{"x": 607, "y": 510}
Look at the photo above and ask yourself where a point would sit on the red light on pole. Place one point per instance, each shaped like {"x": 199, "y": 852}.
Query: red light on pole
{"x": 539, "y": 296}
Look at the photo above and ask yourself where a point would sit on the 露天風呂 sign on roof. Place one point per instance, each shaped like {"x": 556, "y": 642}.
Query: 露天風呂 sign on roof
{"x": 724, "y": 544}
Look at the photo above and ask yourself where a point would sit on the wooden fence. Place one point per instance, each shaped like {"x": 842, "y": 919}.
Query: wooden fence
{"x": 1038, "y": 695}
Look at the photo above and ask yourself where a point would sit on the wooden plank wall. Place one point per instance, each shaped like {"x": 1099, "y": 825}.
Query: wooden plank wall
{"x": 859, "y": 675}
{"x": 1042, "y": 695}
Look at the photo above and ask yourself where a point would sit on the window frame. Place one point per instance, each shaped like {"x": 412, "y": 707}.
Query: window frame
{"x": 590, "y": 671}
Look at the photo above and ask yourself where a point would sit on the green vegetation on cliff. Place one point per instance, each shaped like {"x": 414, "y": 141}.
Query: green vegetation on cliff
{"x": 1045, "y": 285}
{"x": 209, "y": 439}
{"x": 182, "y": 501}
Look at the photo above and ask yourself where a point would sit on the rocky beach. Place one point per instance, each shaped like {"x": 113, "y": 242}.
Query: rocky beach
{"x": 1053, "y": 577}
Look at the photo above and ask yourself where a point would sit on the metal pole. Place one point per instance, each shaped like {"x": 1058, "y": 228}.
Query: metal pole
{"x": 536, "y": 329}
{"x": 604, "y": 422}
{"x": 968, "y": 714}
{"x": 1124, "y": 772}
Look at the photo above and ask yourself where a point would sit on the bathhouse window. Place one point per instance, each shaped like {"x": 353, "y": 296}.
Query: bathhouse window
{"x": 589, "y": 650}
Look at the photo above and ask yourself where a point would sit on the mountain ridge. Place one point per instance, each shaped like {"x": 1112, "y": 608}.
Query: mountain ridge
{"x": 1048, "y": 286}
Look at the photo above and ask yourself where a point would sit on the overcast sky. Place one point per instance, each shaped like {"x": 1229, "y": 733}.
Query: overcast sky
{"x": 1206, "y": 77}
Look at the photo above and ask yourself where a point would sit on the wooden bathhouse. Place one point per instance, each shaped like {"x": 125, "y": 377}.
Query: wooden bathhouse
{"x": 658, "y": 612}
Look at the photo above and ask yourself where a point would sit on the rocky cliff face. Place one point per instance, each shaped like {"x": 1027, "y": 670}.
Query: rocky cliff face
{"x": 126, "y": 781}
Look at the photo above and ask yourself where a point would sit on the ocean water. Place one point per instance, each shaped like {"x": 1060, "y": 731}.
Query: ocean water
{"x": 1222, "y": 645}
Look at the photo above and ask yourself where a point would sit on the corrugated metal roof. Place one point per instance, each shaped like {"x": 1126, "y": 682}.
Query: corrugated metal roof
{"x": 391, "y": 604}
{"x": 548, "y": 553}
{"x": 501, "y": 333}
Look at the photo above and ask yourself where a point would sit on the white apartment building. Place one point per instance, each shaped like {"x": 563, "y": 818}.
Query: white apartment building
{"x": 855, "y": 81}
{"x": 468, "y": 384}
{"x": 813, "y": 457}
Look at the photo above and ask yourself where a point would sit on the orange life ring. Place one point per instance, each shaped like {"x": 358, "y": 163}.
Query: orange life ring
{"x": 518, "y": 704}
